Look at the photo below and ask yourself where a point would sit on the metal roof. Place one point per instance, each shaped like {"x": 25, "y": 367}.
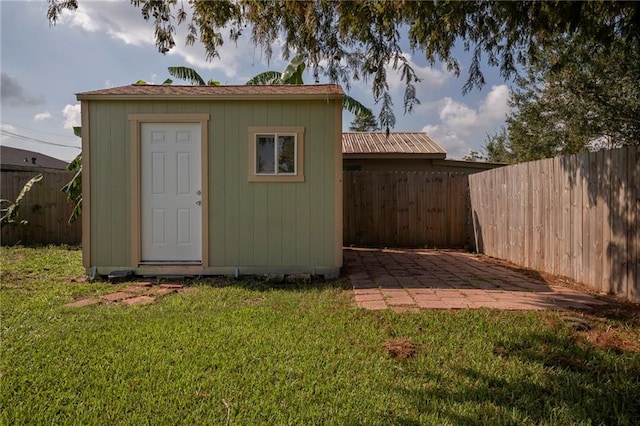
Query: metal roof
{"x": 283, "y": 91}
{"x": 397, "y": 144}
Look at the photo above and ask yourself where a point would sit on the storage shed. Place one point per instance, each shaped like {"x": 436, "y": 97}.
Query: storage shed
{"x": 379, "y": 151}
{"x": 402, "y": 152}
{"x": 212, "y": 180}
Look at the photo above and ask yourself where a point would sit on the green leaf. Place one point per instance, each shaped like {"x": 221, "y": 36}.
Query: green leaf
{"x": 188, "y": 74}
{"x": 293, "y": 73}
{"x": 364, "y": 123}
{"x": 27, "y": 187}
{"x": 11, "y": 211}
{"x": 267, "y": 77}
{"x": 213, "y": 83}
{"x": 73, "y": 188}
{"x": 167, "y": 82}
{"x": 140, "y": 82}
{"x": 355, "y": 107}
{"x": 77, "y": 130}
{"x": 7, "y": 211}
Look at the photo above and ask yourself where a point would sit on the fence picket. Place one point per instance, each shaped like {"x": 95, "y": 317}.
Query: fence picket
{"x": 45, "y": 207}
{"x": 411, "y": 209}
{"x": 580, "y": 213}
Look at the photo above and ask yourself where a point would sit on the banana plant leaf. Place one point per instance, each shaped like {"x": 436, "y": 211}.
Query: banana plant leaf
{"x": 293, "y": 73}
{"x": 267, "y": 77}
{"x": 354, "y": 106}
{"x": 73, "y": 188}
{"x": 188, "y": 74}
{"x": 9, "y": 213}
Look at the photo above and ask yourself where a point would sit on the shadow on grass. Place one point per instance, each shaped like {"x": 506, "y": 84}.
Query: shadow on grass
{"x": 579, "y": 384}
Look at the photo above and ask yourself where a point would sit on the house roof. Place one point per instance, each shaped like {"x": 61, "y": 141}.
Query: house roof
{"x": 395, "y": 145}
{"x": 150, "y": 91}
{"x": 28, "y": 159}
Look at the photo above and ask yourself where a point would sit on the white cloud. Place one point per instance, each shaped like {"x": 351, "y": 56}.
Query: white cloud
{"x": 9, "y": 128}
{"x": 121, "y": 21}
{"x": 430, "y": 77}
{"x": 455, "y": 145}
{"x": 462, "y": 128}
{"x": 495, "y": 105}
{"x": 458, "y": 115}
{"x": 236, "y": 65}
{"x": 135, "y": 35}
{"x": 42, "y": 116}
{"x": 81, "y": 19}
{"x": 71, "y": 116}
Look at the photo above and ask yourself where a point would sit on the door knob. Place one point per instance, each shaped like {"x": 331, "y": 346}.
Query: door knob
{"x": 198, "y": 202}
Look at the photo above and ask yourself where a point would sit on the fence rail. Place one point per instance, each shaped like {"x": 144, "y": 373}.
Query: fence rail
{"x": 406, "y": 209}
{"x": 44, "y": 207}
{"x": 575, "y": 216}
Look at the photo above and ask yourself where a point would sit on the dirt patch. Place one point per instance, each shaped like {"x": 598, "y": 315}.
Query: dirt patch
{"x": 618, "y": 310}
{"x": 16, "y": 257}
{"x": 608, "y": 339}
{"x": 615, "y": 328}
{"x": 10, "y": 276}
{"x": 400, "y": 349}
{"x": 530, "y": 273}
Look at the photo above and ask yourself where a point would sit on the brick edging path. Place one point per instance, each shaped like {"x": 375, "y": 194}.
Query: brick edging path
{"x": 140, "y": 293}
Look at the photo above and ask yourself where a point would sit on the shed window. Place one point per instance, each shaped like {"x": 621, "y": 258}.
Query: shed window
{"x": 275, "y": 154}
{"x": 276, "y": 158}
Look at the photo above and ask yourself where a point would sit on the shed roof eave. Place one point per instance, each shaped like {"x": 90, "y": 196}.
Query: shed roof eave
{"x": 169, "y": 97}
{"x": 393, "y": 156}
{"x": 212, "y": 93}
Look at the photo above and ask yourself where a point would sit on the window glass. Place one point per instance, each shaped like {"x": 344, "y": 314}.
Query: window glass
{"x": 265, "y": 154}
{"x": 286, "y": 154}
{"x": 276, "y": 154}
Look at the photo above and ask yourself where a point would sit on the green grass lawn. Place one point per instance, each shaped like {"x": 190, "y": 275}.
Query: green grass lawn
{"x": 241, "y": 352}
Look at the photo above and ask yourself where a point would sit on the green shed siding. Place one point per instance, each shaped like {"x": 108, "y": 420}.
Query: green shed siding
{"x": 252, "y": 225}
{"x": 110, "y": 161}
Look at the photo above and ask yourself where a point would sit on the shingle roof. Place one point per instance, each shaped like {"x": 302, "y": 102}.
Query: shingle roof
{"x": 10, "y": 156}
{"x": 399, "y": 144}
{"x": 287, "y": 91}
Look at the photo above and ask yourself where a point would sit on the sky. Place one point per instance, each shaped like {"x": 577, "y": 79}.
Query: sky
{"x": 107, "y": 44}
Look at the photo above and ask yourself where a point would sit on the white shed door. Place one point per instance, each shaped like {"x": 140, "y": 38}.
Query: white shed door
{"x": 170, "y": 205}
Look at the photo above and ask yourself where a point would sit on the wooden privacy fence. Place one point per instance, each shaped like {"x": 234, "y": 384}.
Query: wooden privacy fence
{"x": 45, "y": 207}
{"x": 575, "y": 216}
{"x": 406, "y": 209}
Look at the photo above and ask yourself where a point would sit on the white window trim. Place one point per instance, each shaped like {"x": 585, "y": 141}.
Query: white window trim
{"x": 297, "y": 133}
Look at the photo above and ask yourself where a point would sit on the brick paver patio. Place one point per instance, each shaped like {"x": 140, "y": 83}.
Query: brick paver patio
{"x": 407, "y": 280}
